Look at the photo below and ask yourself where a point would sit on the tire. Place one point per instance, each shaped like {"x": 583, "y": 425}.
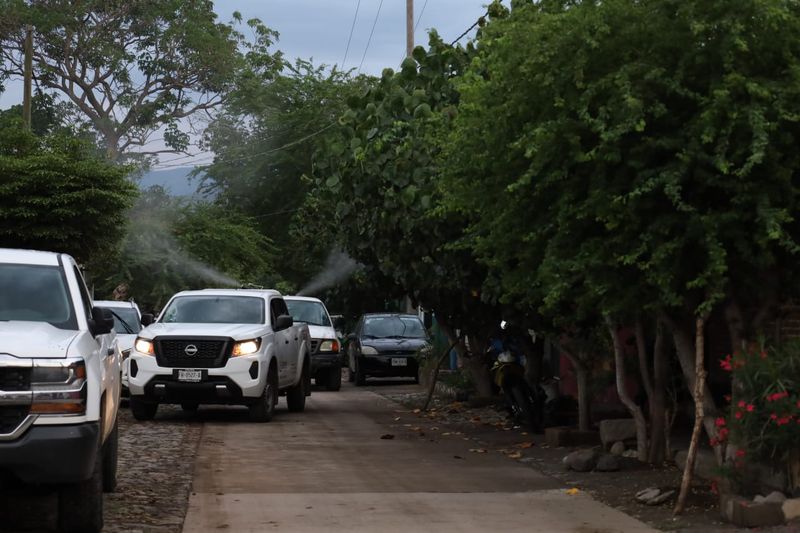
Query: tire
{"x": 334, "y": 381}
{"x": 110, "y": 455}
{"x": 143, "y": 410}
{"x": 80, "y": 505}
{"x": 296, "y": 396}
{"x": 361, "y": 378}
{"x": 190, "y": 407}
{"x": 525, "y": 410}
{"x": 264, "y": 408}
{"x": 351, "y": 374}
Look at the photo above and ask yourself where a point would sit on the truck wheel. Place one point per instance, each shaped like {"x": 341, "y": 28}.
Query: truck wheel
{"x": 110, "y": 449}
{"x": 80, "y": 505}
{"x": 143, "y": 410}
{"x": 334, "y": 381}
{"x": 264, "y": 408}
{"x": 296, "y": 396}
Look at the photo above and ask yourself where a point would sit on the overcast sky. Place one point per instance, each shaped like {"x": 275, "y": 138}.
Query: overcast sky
{"x": 319, "y": 29}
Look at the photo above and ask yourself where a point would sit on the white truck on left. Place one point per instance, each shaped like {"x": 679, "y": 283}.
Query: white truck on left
{"x": 59, "y": 386}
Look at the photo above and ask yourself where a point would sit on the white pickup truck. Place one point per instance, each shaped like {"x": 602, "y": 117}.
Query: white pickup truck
{"x": 59, "y": 386}
{"x": 221, "y": 346}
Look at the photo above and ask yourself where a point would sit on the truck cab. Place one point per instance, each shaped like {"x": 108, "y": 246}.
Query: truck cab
{"x": 59, "y": 385}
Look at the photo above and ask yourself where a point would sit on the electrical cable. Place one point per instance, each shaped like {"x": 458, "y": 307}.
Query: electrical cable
{"x": 374, "y": 23}
{"x": 353, "y": 27}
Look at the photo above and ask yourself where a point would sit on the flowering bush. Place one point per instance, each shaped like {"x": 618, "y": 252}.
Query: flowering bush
{"x": 764, "y": 420}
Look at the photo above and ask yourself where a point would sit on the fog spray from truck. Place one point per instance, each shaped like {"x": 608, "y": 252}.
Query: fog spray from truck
{"x": 338, "y": 267}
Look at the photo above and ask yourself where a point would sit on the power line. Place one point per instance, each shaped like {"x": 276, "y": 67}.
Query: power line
{"x": 374, "y": 23}
{"x": 347, "y": 49}
{"x": 419, "y": 18}
{"x": 470, "y": 28}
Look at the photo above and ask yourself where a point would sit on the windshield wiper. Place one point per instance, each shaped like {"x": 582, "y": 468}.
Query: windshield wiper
{"x": 128, "y": 328}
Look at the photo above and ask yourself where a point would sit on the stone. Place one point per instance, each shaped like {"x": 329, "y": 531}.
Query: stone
{"x": 614, "y": 430}
{"x": 705, "y": 464}
{"x": 744, "y": 513}
{"x": 643, "y": 496}
{"x": 773, "y": 496}
{"x": 607, "y": 463}
{"x": 791, "y": 509}
{"x": 557, "y": 437}
{"x": 630, "y": 454}
{"x": 618, "y": 448}
{"x": 661, "y": 498}
{"x": 582, "y": 460}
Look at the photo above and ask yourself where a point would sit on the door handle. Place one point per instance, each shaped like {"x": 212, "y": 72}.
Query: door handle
{"x": 287, "y": 341}
{"x": 110, "y": 351}
{"x": 295, "y": 338}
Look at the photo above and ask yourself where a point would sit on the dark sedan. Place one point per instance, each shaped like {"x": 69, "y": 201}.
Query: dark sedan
{"x": 386, "y": 345}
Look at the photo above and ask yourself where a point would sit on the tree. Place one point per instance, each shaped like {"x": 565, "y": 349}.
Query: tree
{"x": 56, "y": 195}
{"x": 644, "y": 154}
{"x": 264, "y": 141}
{"x": 132, "y": 68}
{"x": 381, "y": 163}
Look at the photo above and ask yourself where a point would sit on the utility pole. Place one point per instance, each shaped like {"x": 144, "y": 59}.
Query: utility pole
{"x": 26, "y": 93}
{"x": 409, "y": 27}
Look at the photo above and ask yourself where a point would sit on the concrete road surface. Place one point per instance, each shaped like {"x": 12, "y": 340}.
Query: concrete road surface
{"x": 328, "y": 470}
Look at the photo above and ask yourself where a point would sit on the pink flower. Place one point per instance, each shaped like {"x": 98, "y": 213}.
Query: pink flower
{"x": 726, "y": 364}
{"x": 750, "y": 407}
{"x": 777, "y": 396}
{"x": 741, "y": 403}
{"x": 739, "y": 415}
{"x": 720, "y": 422}
{"x": 773, "y": 416}
{"x": 740, "y": 453}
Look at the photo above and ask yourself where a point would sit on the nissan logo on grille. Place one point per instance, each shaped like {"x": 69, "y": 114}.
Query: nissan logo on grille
{"x": 190, "y": 350}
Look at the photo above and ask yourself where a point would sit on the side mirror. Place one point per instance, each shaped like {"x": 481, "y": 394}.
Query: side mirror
{"x": 102, "y": 321}
{"x": 337, "y": 319}
{"x": 147, "y": 319}
{"x": 283, "y": 322}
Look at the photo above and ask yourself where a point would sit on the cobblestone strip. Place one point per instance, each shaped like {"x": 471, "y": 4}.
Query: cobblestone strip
{"x": 156, "y": 463}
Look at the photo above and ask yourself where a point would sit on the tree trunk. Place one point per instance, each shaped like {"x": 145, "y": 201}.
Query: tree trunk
{"x": 582, "y": 376}
{"x": 659, "y": 435}
{"x": 435, "y": 376}
{"x": 475, "y": 363}
{"x": 644, "y": 366}
{"x": 636, "y": 411}
{"x": 699, "y": 393}
{"x": 685, "y": 348}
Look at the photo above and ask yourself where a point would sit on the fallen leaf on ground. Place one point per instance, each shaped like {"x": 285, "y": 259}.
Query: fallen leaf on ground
{"x": 476, "y": 419}
{"x": 396, "y": 418}
{"x": 445, "y": 434}
{"x": 416, "y": 411}
{"x": 573, "y": 491}
{"x": 515, "y": 455}
{"x": 478, "y": 450}
{"x": 388, "y": 436}
{"x": 457, "y": 457}
{"x": 525, "y": 445}
{"x": 415, "y": 428}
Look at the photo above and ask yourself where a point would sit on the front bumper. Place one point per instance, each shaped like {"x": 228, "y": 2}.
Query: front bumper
{"x": 382, "y": 366}
{"x": 241, "y": 378}
{"x": 321, "y": 361}
{"x": 52, "y": 454}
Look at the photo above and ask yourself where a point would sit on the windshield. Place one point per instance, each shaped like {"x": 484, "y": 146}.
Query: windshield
{"x": 394, "y": 326}
{"x": 215, "y": 310}
{"x": 36, "y": 294}
{"x": 312, "y": 313}
{"x": 126, "y": 320}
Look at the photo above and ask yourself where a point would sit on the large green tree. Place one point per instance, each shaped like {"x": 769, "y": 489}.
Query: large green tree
{"x": 133, "y": 68}
{"x": 644, "y": 155}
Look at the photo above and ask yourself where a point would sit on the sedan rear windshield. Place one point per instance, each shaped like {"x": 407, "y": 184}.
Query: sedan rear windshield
{"x": 36, "y": 294}
{"x": 126, "y": 320}
{"x": 215, "y": 310}
{"x": 382, "y": 327}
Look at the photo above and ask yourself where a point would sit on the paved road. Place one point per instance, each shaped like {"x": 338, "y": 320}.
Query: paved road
{"x": 328, "y": 470}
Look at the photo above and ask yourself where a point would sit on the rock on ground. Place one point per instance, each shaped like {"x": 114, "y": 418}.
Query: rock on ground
{"x": 582, "y": 460}
{"x": 615, "y": 430}
{"x": 618, "y": 448}
{"x": 607, "y": 463}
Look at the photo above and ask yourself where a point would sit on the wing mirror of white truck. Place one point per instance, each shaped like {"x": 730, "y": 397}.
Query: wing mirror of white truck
{"x": 102, "y": 321}
{"x": 147, "y": 319}
{"x": 283, "y": 322}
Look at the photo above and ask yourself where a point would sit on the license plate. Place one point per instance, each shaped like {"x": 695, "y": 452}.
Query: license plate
{"x": 193, "y": 376}
{"x": 399, "y": 361}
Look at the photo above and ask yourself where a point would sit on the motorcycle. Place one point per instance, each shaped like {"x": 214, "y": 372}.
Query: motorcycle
{"x": 508, "y": 374}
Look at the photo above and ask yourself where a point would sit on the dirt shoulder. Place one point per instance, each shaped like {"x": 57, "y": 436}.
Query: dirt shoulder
{"x": 490, "y": 430}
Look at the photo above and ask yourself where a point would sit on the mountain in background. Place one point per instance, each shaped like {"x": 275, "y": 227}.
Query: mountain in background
{"x": 176, "y": 181}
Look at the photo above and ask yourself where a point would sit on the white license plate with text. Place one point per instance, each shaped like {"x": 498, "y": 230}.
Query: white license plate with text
{"x": 399, "y": 361}
{"x": 193, "y": 376}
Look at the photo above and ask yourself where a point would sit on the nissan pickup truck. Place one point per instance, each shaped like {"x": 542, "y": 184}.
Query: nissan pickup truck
{"x": 326, "y": 357}
{"x": 59, "y": 386}
{"x": 221, "y": 346}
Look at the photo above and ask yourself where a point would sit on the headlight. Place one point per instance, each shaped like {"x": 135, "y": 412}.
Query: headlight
{"x": 505, "y": 357}
{"x": 246, "y": 347}
{"x": 58, "y": 387}
{"x": 144, "y": 346}
{"x": 329, "y": 346}
{"x": 368, "y": 350}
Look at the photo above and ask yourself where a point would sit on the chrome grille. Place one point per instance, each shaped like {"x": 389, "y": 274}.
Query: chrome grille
{"x": 315, "y": 345}
{"x": 15, "y": 399}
